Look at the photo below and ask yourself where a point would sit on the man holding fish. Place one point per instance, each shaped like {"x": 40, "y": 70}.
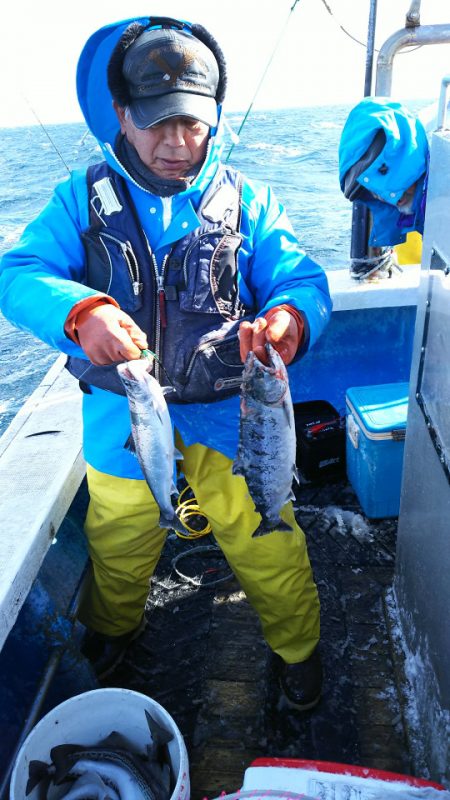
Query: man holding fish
{"x": 161, "y": 246}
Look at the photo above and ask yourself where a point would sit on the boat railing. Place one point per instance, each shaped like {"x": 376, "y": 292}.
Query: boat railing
{"x": 411, "y": 36}
{"x": 41, "y": 469}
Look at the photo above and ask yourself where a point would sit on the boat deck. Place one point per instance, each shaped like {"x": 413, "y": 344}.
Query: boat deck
{"x": 203, "y": 658}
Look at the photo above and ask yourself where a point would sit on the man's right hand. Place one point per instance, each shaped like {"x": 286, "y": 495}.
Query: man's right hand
{"x": 107, "y": 335}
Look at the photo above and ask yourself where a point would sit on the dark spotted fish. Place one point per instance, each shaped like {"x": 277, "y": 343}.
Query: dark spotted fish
{"x": 267, "y": 441}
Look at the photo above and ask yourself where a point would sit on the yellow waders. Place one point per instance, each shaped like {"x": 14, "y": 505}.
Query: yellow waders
{"x": 410, "y": 252}
{"x": 125, "y": 543}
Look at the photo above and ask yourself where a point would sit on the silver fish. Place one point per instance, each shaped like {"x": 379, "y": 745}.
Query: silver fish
{"x": 126, "y": 772}
{"x": 152, "y": 436}
{"x": 126, "y": 779}
{"x": 90, "y": 786}
{"x": 267, "y": 441}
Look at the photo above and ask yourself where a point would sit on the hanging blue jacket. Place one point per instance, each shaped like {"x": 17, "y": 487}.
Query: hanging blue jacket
{"x": 402, "y": 161}
{"x": 43, "y": 277}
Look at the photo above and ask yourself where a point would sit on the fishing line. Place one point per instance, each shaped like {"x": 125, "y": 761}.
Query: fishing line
{"x": 261, "y": 80}
{"x": 56, "y": 149}
{"x": 358, "y": 41}
{"x": 151, "y": 356}
{"x": 347, "y": 33}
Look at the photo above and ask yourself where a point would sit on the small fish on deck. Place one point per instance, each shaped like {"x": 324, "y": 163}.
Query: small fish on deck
{"x": 112, "y": 769}
{"x": 152, "y": 436}
{"x": 267, "y": 441}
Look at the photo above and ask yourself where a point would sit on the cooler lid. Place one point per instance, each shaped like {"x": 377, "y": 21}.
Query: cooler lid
{"x": 382, "y": 407}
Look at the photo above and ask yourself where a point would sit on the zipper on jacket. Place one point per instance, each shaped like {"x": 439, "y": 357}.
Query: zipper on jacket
{"x": 160, "y": 308}
{"x": 221, "y": 231}
{"x": 130, "y": 260}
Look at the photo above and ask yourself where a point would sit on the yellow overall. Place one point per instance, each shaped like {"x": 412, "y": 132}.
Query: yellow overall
{"x": 410, "y": 252}
{"x": 125, "y": 543}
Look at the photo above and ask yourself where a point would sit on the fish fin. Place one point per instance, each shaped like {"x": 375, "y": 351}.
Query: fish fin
{"x": 130, "y": 444}
{"x": 287, "y": 408}
{"x": 177, "y": 455}
{"x": 60, "y": 757}
{"x": 264, "y": 527}
{"x": 117, "y": 741}
{"x": 238, "y": 467}
{"x": 159, "y": 734}
{"x": 37, "y": 772}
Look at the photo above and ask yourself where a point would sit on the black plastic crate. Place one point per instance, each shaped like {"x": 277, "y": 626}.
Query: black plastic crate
{"x": 321, "y": 445}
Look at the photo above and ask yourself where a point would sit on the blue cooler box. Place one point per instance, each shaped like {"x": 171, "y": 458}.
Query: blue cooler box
{"x": 376, "y": 429}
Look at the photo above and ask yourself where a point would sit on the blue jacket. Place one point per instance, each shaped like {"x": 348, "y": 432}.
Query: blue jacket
{"x": 42, "y": 277}
{"x": 403, "y": 161}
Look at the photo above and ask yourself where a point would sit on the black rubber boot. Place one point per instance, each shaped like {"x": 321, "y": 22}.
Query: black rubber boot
{"x": 106, "y": 652}
{"x": 301, "y": 683}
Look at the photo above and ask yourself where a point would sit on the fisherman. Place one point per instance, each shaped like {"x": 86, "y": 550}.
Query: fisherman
{"x": 383, "y": 163}
{"x": 161, "y": 246}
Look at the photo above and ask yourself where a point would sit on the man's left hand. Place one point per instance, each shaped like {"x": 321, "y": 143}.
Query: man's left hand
{"x": 281, "y": 326}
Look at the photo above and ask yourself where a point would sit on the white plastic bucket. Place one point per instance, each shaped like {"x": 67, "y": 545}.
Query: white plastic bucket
{"x": 262, "y": 794}
{"x": 90, "y": 717}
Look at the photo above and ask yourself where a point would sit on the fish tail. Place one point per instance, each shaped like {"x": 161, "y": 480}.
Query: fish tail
{"x": 159, "y": 734}
{"x": 37, "y": 772}
{"x": 173, "y": 523}
{"x": 265, "y": 527}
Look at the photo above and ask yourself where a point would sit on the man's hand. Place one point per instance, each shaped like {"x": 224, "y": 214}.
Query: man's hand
{"x": 282, "y": 327}
{"x": 107, "y": 334}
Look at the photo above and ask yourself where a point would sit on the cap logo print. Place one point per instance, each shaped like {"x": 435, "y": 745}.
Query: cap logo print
{"x": 168, "y": 76}
{"x": 172, "y": 74}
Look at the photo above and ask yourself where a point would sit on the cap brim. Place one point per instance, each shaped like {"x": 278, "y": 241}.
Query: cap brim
{"x": 149, "y": 111}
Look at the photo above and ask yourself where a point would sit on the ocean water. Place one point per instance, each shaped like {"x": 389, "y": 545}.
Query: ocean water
{"x": 294, "y": 150}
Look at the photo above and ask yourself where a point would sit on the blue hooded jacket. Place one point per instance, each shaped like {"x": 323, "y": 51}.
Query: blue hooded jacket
{"x": 42, "y": 278}
{"x": 403, "y": 161}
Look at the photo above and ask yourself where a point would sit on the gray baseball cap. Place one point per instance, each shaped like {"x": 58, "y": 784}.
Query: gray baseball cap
{"x": 170, "y": 73}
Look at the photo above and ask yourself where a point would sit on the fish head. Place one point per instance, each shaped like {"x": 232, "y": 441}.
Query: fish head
{"x": 267, "y": 383}
{"x": 136, "y": 378}
{"x": 136, "y": 370}
{"x": 142, "y": 389}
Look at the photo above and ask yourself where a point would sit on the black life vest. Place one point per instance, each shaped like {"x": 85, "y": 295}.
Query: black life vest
{"x": 190, "y": 310}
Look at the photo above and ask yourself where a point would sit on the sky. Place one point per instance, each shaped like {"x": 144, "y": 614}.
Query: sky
{"x": 314, "y": 61}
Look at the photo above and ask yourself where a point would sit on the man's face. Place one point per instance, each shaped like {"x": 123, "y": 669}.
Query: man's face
{"x": 405, "y": 204}
{"x": 170, "y": 148}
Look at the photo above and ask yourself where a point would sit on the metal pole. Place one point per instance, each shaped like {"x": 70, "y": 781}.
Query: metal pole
{"x": 360, "y": 212}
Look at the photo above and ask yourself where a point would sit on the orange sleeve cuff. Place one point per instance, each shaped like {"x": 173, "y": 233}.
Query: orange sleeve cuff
{"x": 294, "y": 313}
{"x": 70, "y": 325}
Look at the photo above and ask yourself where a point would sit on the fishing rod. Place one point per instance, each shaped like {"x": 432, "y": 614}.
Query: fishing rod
{"x": 236, "y": 136}
{"x": 360, "y": 212}
{"x": 52, "y": 142}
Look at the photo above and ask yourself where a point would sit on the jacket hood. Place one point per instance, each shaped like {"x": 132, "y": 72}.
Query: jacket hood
{"x": 95, "y": 98}
{"x": 402, "y": 160}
